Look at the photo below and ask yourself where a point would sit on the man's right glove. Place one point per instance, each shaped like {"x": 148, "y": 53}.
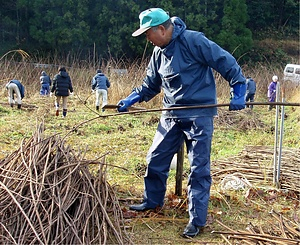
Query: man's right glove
{"x": 127, "y": 102}
{"x": 238, "y": 101}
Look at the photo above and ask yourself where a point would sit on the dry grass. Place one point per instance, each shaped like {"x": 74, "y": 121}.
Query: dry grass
{"x": 81, "y": 75}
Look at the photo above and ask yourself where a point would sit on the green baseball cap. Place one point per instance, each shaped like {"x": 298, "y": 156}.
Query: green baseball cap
{"x": 149, "y": 18}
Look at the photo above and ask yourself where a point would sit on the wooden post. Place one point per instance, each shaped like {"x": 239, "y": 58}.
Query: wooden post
{"x": 179, "y": 171}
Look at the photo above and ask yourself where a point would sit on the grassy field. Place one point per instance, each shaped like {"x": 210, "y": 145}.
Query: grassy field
{"x": 125, "y": 139}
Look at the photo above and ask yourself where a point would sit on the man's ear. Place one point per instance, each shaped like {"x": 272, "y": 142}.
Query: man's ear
{"x": 162, "y": 29}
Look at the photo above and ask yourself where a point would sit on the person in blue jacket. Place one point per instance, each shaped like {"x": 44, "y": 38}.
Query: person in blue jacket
{"x": 15, "y": 87}
{"x": 45, "y": 82}
{"x": 62, "y": 87}
{"x": 100, "y": 84}
{"x": 251, "y": 89}
{"x": 181, "y": 66}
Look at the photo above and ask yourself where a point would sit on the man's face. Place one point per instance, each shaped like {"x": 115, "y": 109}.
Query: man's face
{"x": 156, "y": 36}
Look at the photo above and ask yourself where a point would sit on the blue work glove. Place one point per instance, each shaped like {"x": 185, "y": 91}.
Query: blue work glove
{"x": 127, "y": 102}
{"x": 238, "y": 100}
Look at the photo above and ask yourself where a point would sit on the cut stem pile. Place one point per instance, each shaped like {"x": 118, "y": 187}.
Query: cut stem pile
{"x": 281, "y": 231}
{"x": 49, "y": 196}
{"x": 255, "y": 163}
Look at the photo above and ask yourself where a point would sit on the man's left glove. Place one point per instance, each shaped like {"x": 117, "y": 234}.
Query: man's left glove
{"x": 238, "y": 100}
{"x": 127, "y": 102}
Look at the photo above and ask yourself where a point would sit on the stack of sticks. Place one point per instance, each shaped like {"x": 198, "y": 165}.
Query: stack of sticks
{"x": 255, "y": 163}
{"x": 49, "y": 196}
{"x": 239, "y": 120}
{"x": 282, "y": 232}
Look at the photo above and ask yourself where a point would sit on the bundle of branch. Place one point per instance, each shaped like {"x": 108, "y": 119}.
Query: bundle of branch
{"x": 280, "y": 231}
{"x": 49, "y": 196}
{"x": 255, "y": 163}
{"x": 239, "y": 120}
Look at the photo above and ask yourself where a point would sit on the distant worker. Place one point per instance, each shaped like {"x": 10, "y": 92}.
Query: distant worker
{"x": 251, "y": 89}
{"x": 45, "y": 84}
{"x": 62, "y": 86}
{"x": 15, "y": 87}
{"x": 272, "y": 91}
{"x": 100, "y": 84}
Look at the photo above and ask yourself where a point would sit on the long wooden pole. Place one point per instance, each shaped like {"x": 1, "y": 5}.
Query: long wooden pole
{"x": 140, "y": 110}
{"x": 179, "y": 171}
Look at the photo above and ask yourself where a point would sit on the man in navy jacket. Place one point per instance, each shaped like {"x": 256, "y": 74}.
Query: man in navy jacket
{"x": 251, "y": 89}
{"x": 181, "y": 65}
{"x": 100, "y": 83}
{"x": 45, "y": 84}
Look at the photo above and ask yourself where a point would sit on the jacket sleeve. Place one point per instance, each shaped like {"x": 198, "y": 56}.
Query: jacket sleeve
{"x": 22, "y": 91}
{"x": 107, "y": 83}
{"x": 53, "y": 85}
{"x": 93, "y": 83}
{"x": 211, "y": 54}
{"x": 50, "y": 82}
{"x": 151, "y": 83}
{"x": 70, "y": 85}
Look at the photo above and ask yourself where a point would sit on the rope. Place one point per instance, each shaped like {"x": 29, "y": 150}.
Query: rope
{"x": 233, "y": 182}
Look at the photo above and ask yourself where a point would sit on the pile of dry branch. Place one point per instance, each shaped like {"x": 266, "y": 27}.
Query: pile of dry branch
{"x": 281, "y": 231}
{"x": 254, "y": 166}
{"x": 239, "y": 120}
{"x": 255, "y": 163}
{"x": 49, "y": 196}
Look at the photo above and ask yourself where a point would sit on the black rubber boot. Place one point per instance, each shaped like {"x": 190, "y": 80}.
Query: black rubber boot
{"x": 64, "y": 112}
{"x": 140, "y": 207}
{"x": 192, "y": 230}
{"x": 19, "y": 106}
{"x": 97, "y": 108}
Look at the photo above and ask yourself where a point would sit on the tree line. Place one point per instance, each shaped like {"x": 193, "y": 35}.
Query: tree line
{"x": 103, "y": 27}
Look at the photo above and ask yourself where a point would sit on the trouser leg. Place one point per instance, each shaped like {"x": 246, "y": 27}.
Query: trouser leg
{"x": 65, "y": 102}
{"x": 199, "y": 138}
{"x": 167, "y": 140}
{"x": 48, "y": 90}
{"x": 97, "y": 102}
{"x": 11, "y": 96}
{"x": 57, "y": 101}
{"x": 247, "y": 99}
{"x": 19, "y": 99}
{"x": 251, "y": 99}
{"x": 104, "y": 97}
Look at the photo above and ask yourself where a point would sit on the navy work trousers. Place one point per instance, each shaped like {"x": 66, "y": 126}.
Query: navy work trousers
{"x": 170, "y": 134}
